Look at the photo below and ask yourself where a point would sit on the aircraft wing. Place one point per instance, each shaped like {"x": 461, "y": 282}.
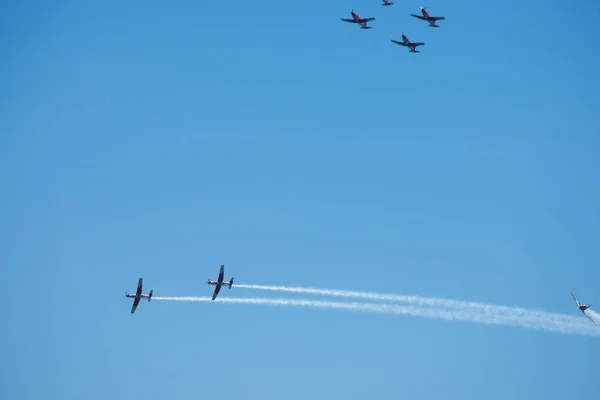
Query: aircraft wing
{"x": 138, "y": 293}
{"x": 418, "y": 44}
{"x": 221, "y": 273}
{"x": 217, "y": 289}
{"x": 349, "y": 20}
{"x": 136, "y": 301}
{"x": 418, "y": 16}
{"x": 574, "y": 298}
{"x": 437, "y": 18}
{"x": 400, "y": 43}
{"x": 367, "y": 19}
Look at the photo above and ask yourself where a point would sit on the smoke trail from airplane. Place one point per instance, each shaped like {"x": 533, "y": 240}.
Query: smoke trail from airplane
{"x": 423, "y": 301}
{"x": 595, "y": 316}
{"x": 474, "y": 316}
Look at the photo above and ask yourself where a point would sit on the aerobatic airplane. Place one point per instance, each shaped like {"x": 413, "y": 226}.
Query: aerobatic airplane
{"x": 138, "y": 295}
{"x": 428, "y": 18}
{"x": 220, "y": 282}
{"x": 358, "y": 20}
{"x": 386, "y": 3}
{"x": 583, "y": 308}
{"x": 407, "y": 43}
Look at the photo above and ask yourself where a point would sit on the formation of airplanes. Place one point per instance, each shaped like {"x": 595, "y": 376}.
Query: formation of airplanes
{"x": 412, "y": 46}
{"x": 220, "y": 282}
{"x": 138, "y": 295}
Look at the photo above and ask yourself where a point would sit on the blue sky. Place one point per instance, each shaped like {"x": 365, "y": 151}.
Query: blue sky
{"x": 161, "y": 139}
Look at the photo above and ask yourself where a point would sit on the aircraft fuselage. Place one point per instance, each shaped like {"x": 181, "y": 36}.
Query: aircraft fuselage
{"x": 357, "y": 19}
{"x": 412, "y": 47}
{"x": 428, "y": 18}
{"x": 217, "y": 283}
{"x": 133, "y": 295}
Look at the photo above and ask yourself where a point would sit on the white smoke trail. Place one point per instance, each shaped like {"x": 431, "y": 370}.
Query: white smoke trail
{"x": 575, "y": 327}
{"x": 423, "y": 301}
{"x": 595, "y": 316}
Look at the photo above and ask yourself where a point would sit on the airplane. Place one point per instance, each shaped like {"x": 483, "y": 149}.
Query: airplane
{"x": 583, "y": 308}
{"x": 428, "y": 18}
{"x": 220, "y": 282}
{"x": 386, "y": 3}
{"x": 358, "y": 20}
{"x": 407, "y": 43}
{"x": 138, "y": 295}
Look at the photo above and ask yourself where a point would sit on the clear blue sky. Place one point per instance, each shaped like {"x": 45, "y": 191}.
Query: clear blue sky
{"x": 161, "y": 139}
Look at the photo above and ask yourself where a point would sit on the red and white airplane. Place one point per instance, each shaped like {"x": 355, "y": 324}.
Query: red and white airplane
{"x": 386, "y": 3}
{"x": 220, "y": 282}
{"x": 428, "y": 18}
{"x": 358, "y": 20}
{"x": 407, "y": 43}
{"x": 138, "y": 295}
{"x": 583, "y": 308}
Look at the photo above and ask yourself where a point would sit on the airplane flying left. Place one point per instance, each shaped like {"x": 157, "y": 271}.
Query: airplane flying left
{"x": 138, "y": 295}
{"x": 386, "y": 3}
{"x": 407, "y": 43}
{"x": 428, "y": 18}
{"x": 358, "y": 20}
{"x": 220, "y": 282}
{"x": 583, "y": 308}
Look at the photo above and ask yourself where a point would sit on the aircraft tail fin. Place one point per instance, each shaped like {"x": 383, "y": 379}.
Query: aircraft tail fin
{"x": 230, "y": 282}
{"x": 150, "y": 295}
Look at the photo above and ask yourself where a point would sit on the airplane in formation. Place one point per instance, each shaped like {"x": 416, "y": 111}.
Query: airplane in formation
{"x": 220, "y": 282}
{"x": 358, "y": 20}
{"x": 138, "y": 295}
{"x": 426, "y": 17}
{"x": 583, "y": 308}
{"x": 407, "y": 43}
{"x": 387, "y": 3}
